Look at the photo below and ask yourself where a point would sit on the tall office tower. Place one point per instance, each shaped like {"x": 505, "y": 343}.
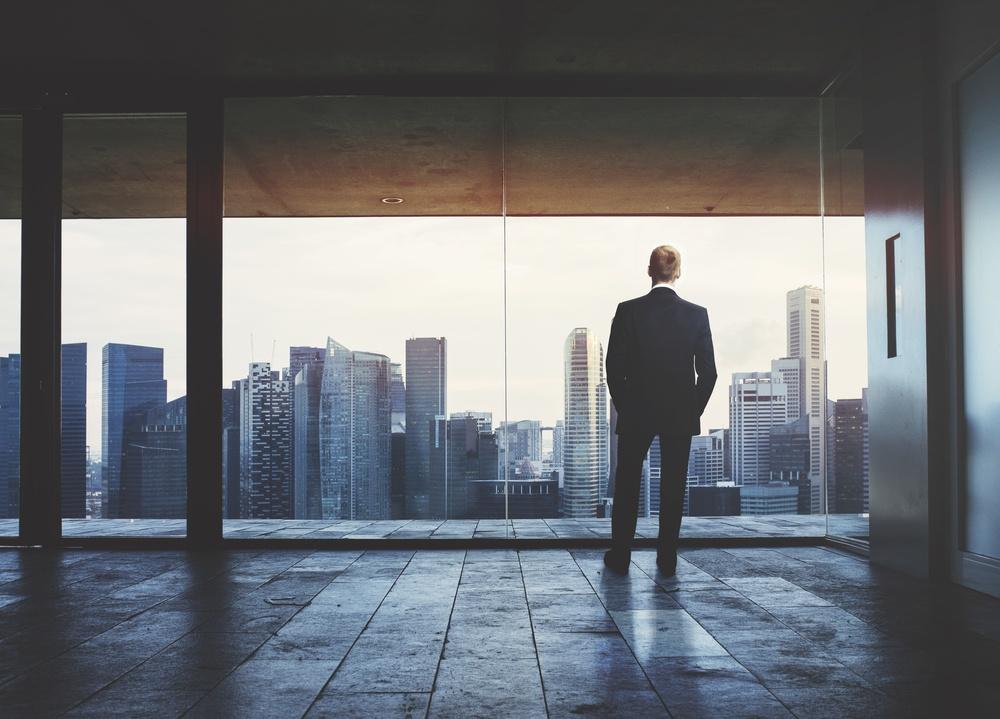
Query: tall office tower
{"x": 306, "y": 394}
{"x": 265, "y": 444}
{"x": 397, "y": 397}
{"x": 426, "y": 398}
{"x": 484, "y": 420}
{"x": 757, "y": 402}
{"x": 397, "y": 473}
{"x": 850, "y": 428}
{"x": 132, "y": 384}
{"x": 653, "y": 459}
{"x": 10, "y": 435}
{"x": 789, "y": 452}
{"x": 454, "y": 465}
{"x": 522, "y": 440}
{"x": 705, "y": 464}
{"x": 73, "y": 491}
{"x": 154, "y": 468}
{"x": 807, "y": 341}
{"x": 299, "y": 357}
{"x": 727, "y": 451}
{"x": 585, "y": 447}
{"x": 558, "y": 437}
{"x": 354, "y": 434}
{"x": 231, "y": 451}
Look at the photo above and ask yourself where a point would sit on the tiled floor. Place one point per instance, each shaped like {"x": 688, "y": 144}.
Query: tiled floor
{"x": 781, "y": 525}
{"x": 773, "y": 632}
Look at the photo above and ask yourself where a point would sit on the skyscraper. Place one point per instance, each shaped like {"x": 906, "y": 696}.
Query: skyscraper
{"x": 73, "y": 492}
{"x": 850, "y": 437}
{"x": 426, "y": 399}
{"x": 397, "y": 397}
{"x": 354, "y": 434}
{"x": 585, "y": 447}
{"x": 154, "y": 468}
{"x": 806, "y": 323}
{"x": 705, "y": 464}
{"x": 10, "y": 435}
{"x": 231, "y": 451}
{"x": 757, "y": 402}
{"x": 132, "y": 384}
{"x": 521, "y": 440}
{"x": 306, "y": 402}
{"x": 265, "y": 444}
{"x": 299, "y": 357}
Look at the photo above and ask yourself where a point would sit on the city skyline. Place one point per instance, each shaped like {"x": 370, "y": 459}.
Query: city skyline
{"x": 551, "y": 263}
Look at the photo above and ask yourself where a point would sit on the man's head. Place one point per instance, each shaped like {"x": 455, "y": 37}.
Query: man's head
{"x": 664, "y": 264}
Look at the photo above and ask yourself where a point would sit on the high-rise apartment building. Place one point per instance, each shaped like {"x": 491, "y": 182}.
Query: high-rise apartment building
{"x": 265, "y": 444}
{"x": 585, "y": 446}
{"x": 757, "y": 402}
{"x": 426, "y": 399}
{"x": 73, "y": 421}
{"x": 354, "y": 434}
{"x": 806, "y": 325}
{"x": 132, "y": 383}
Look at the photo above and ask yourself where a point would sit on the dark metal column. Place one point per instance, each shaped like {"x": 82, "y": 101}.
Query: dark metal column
{"x": 204, "y": 322}
{"x": 41, "y": 249}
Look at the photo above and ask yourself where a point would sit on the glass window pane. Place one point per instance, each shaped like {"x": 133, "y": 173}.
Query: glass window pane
{"x": 733, "y": 184}
{"x": 845, "y": 283}
{"x": 363, "y": 283}
{"x": 123, "y": 320}
{"x": 10, "y": 323}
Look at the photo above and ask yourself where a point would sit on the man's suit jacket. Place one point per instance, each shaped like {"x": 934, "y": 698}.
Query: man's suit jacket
{"x": 658, "y": 342}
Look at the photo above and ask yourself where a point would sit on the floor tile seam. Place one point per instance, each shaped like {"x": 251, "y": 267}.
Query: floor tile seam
{"x": 26, "y": 668}
{"x": 627, "y": 645}
{"x": 534, "y": 642}
{"x": 447, "y": 631}
{"x": 252, "y": 654}
{"x": 157, "y": 653}
{"x": 728, "y": 653}
{"x": 367, "y": 623}
{"x": 864, "y": 682}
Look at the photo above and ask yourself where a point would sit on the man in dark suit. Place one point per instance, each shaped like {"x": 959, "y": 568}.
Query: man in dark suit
{"x": 658, "y": 342}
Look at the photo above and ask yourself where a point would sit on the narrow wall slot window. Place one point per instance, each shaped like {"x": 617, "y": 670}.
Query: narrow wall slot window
{"x": 893, "y": 296}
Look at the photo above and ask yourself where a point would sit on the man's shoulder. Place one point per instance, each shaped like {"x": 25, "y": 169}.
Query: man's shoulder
{"x": 692, "y": 307}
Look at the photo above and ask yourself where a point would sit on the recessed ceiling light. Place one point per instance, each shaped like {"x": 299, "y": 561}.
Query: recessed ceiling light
{"x": 392, "y": 200}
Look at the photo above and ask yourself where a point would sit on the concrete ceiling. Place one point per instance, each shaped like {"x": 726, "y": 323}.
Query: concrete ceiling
{"x": 800, "y": 41}
{"x": 341, "y": 156}
{"x": 338, "y": 156}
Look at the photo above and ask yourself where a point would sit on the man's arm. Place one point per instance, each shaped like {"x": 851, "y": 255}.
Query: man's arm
{"x": 618, "y": 358}
{"x": 704, "y": 364}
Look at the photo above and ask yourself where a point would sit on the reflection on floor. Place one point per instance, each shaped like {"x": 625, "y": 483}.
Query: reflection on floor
{"x": 777, "y": 632}
{"x": 775, "y": 525}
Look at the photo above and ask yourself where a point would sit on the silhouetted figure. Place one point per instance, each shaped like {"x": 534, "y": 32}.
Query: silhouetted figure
{"x": 658, "y": 342}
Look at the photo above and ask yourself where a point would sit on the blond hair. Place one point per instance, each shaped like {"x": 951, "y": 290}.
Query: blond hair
{"x": 665, "y": 264}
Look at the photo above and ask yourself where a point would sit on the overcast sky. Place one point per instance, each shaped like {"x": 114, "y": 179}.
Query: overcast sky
{"x": 371, "y": 283}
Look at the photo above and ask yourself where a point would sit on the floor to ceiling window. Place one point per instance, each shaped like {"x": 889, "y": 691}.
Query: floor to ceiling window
{"x": 10, "y": 323}
{"x": 363, "y": 315}
{"x": 844, "y": 271}
{"x": 124, "y": 412}
{"x": 414, "y": 288}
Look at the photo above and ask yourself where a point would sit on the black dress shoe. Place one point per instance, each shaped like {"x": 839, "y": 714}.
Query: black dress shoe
{"x": 617, "y": 562}
{"x": 667, "y": 566}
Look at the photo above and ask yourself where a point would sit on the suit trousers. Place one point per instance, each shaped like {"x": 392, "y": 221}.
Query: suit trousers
{"x": 632, "y": 449}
